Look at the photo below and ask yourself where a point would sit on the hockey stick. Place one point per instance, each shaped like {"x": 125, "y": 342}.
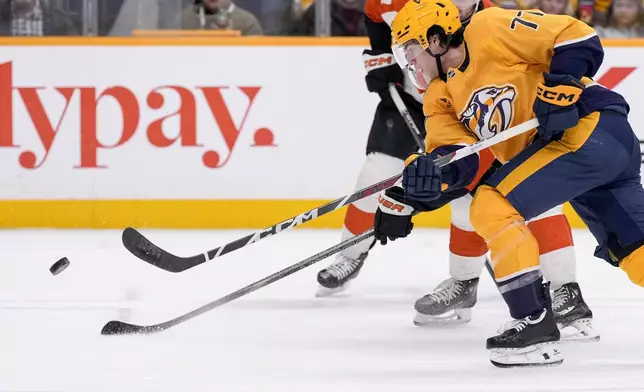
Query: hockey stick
{"x": 404, "y": 112}
{"x": 145, "y": 250}
{"x": 121, "y": 328}
{"x": 489, "y": 268}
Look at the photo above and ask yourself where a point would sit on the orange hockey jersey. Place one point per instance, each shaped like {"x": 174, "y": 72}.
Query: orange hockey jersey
{"x": 380, "y": 11}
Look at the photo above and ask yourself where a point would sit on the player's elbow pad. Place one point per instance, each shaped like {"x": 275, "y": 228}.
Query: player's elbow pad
{"x": 458, "y": 174}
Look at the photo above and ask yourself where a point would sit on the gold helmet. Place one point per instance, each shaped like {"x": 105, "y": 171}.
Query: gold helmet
{"x": 412, "y": 29}
{"x": 415, "y": 19}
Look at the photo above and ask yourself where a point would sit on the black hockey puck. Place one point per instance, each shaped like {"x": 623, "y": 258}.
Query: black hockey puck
{"x": 59, "y": 266}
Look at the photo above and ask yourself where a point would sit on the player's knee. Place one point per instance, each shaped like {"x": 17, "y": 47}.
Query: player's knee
{"x": 633, "y": 265}
{"x": 514, "y": 248}
{"x": 479, "y": 215}
{"x": 552, "y": 232}
{"x": 379, "y": 164}
{"x": 460, "y": 211}
{"x": 376, "y": 167}
{"x": 491, "y": 211}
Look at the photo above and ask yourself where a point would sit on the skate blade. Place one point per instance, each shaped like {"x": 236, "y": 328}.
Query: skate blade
{"x": 326, "y": 292}
{"x": 542, "y": 354}
{"x": 452, "y": 317}
{"x": 583, "y": 332}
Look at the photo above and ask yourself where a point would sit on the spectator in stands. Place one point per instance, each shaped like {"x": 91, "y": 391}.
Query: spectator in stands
{"x": 555, "y": 7}
{"x": 219, "y": 15}
{"x": 625, "y": 20}
{"x": 587, "y": 11}
{"x": 34, "y": 18}
{"x": 510, "y": 4}
{"x": 347, "y": 19}
{"x": 599, "y": 10}
{"x": 298, "y": 7}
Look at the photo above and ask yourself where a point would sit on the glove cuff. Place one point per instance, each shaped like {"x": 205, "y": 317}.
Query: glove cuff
{"x": 373, "y": 61}
{"x": 561, "y": 95}
{"x": 392, "y": 201}
{"x": 560, "y": 90}
{"x": 381, "y": 69}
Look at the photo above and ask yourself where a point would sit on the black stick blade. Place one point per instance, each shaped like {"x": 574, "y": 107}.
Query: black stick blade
{"x": 121, "y": 328}
{"x": 141, "y": 247}
{"x": 145, "y": 250}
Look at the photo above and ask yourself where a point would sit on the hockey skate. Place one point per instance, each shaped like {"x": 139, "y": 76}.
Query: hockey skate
{"x": 336, "y": 277}
{"x": 450, "y": 303}
{"x": 531, "y": 341}
{"x": 571, "y": 311}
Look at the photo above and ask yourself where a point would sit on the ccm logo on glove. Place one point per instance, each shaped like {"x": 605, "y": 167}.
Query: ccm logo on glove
{"x": 559, "y": 95}
{"x": 556, "y": 104}
{"x": 379, "y": 61}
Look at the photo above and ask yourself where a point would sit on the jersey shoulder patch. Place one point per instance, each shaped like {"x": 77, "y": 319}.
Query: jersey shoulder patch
{"x": 383, "y": 11}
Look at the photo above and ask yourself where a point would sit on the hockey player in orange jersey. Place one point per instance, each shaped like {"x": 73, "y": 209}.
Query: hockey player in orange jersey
{"x": 388, "y": 145}
{"x": 505, "y": 68}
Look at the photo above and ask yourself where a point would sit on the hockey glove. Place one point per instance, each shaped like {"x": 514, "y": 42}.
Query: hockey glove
{"x": 556, "y": 104}
{"x": 393, "y": 216}
{"x": 382, "y": 69}
{"x": 421, "y": 178}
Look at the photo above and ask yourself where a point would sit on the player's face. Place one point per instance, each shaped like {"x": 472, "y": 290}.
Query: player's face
{"x": 625, "y": 12}
{"x": 421, "y": 64}
{"x": 554, "y": 7}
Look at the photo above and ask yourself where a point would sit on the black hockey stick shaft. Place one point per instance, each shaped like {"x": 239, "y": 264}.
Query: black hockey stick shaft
{"x": 121, "y": 328}
{"x": 404, "y": 112}
{"x": 147, "y": 251}
{"x": 490, "y": 270}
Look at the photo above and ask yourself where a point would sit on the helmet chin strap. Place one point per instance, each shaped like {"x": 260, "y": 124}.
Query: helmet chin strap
{"x": 439, "y": 66}
{"x": 439, "y": 63}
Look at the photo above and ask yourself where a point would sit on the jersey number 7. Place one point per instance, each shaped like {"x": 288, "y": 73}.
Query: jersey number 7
{"x": 518, "y": 19}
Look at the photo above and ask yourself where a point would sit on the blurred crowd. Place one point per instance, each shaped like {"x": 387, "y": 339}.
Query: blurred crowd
{"x": 611, "y": 18}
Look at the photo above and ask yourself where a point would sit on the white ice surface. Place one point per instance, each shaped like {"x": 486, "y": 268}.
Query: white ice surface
{"x": 280, "y": 338}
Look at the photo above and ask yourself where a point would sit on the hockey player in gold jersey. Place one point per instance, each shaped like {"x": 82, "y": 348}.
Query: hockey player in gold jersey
{"x": 506, "y": 68}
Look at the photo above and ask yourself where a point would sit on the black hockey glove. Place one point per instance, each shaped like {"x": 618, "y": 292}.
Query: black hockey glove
{"x": 556, "y": 104}
{"x": 393, "y": 216}
{"x": 382, "y": 69}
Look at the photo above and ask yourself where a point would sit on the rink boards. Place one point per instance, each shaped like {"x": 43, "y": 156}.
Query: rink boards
{"x": 197, "y": 132}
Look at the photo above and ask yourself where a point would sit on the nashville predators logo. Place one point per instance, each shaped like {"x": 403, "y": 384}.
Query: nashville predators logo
{"x": 489, "y": 110}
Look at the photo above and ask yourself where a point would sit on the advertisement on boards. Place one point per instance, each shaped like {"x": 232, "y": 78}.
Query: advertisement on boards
{"x": 194, "y": 122}
{"x": 199, "y": 122}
